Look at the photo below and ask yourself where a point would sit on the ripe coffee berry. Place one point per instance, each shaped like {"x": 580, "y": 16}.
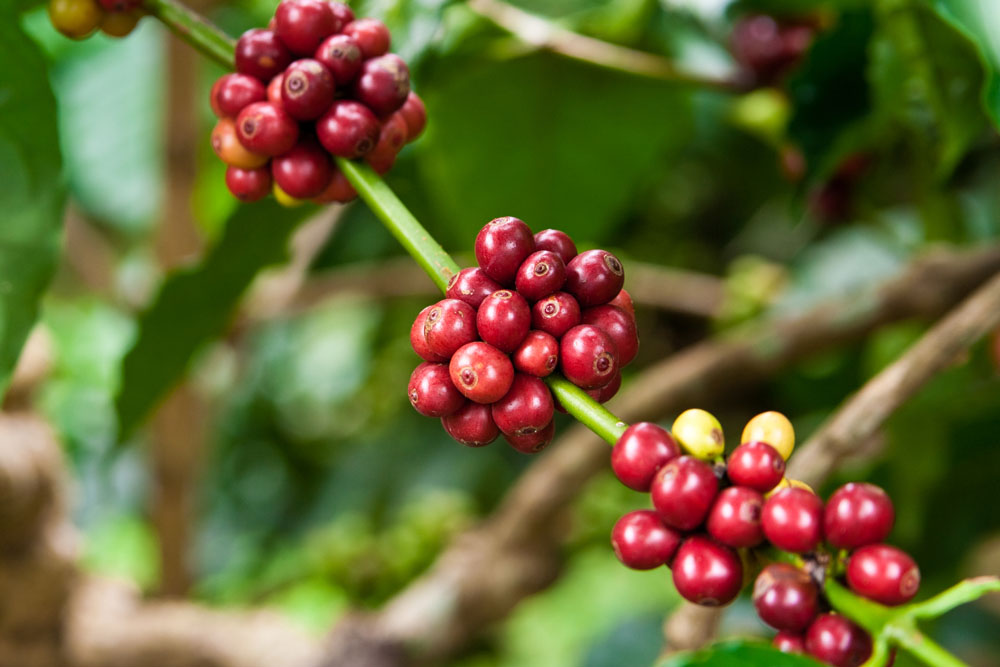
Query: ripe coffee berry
{"x": 472, "y": 425}
{"x": 261, "y": 54}
{"x": 501, "y": 246}
{"x": 371, "y": 36}
{"x": 230, "y": 150}
{"x": 349, "y": 129}
{"x": 383, "y": 83}
{"x": 471, "y": 286}
{"x": 555, "y": 314}
{"x": 526, "y": 407}
{"x": 587, "y": 356}
{"x": 304, "y": 171}
{"x": 342, "y": 56}
{"x": 303, "y": 24}
{"x": 266, "y": 129}
{"x": 503, "y": 320}
{"x": 756, "y": 465}
{"x": 232, "y": 92}
{"x": 342, "y": 15}
{"x": 883, "y": 573}
{"x": 542, "y": 273}
{"x": 734, "y": 519}
{"x": 415, "y": 114}
{"x": 857, "y": 514}
{"x": 642, "y": 541}
{"x": 706, "y": 572}
{"x": 391, "y": 139}
{"x": 307, "y": 88}
{"x": 789, "y": 642}
{"x": 538, "y": 354}
{"x": 641, "y": 451}
{"x": 608, "y": 391}
{"x": 339, "y": 190}
{"x": 449, "y": 325}
{"x": 556, "y": 241}
{"x": 481, "y": 372}
{"x": 418, "y": 337}
{"x": 838, "y": 641}
{"x": 248, "y": 185}
{"x": 624, "y": 301}
{"x": 532, "y": 443}
{"x": 699, "y": 433}
{"x": 619, "y": 325}
{"x": 431, "y": 392}
{"x": 683, "y": 492}
{"x": 594, "y": 277}
{"x": 793, "y": 520}
{"x": 774, "y": 429}
{"x": 785, "y": 597}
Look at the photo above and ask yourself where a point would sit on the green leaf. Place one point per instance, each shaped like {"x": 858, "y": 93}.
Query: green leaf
{"x": 738, "y": 653}
{"x": 196, "y": 304}
{"x": 980, "y": 22}
{"x": 32, "y": 191}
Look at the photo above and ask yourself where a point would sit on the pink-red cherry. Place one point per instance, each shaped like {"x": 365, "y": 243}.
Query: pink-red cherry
{"x": 793, "y": 520}
{"x": 588, "y": 356}
{"x": 532, "y": 443}
{"x": 371, "y": 35}
{"x": 786, "y": 598}
{"x": 261, "y": 54}
{"x": 838, "y": 641}
{"x": 683, "y": 492}
{"x": 431, "y": 392}
{"x": 304, "y": 171}
{"x": 415, "y": 114}
{"x": 757, "y": 465}
{"x": 642, "y": 541}
{"x": 339, "y": 190}
{"x": 503, "y": 320}
{"x": 342, "y": 15}
{"x": 266, "y": 129}
{"x": 481, "y": 372}
{"x": 383, "y": 83}
{"x": 449, "y": 325}
{"x": 472, "y": 425}
{"x": 619, "y": 325}
{"x": 640, "y": 452}
{"x": 349, "y": 129}
{"x": 418, "y": 337}
{"x": 232, "y": 92}
{"x": 594, "y": 277}
{"x": 734, "y": 519}
{"x": 303, "y": 24}
{"x": 608, "y": 391}
{"x": 307, "y": 89}
{"x": 789, "y": 642}
{"x": 342, "y": 56}
{"x": 538, "y": 354}
{"x": 542, "y": 273}
{"x": 501, "y": 246}
{"x": 883, "y": 573}
{"x": 391, "y": 139}
{"x": 556, "y": 241}
{"x": 248, "y": 185}
{"x": 707, "y": 573}
{"x": 526, "y": 407}
{"x": 555, "y": 314}
{"x": 858, "y": 514}
{"x": 624, "y": 301}
{"x": 471, "y": 285}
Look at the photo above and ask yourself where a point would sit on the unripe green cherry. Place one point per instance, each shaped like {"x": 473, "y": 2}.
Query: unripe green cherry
{"x": 699, "y": 433}
{"x": 774, "y": 429}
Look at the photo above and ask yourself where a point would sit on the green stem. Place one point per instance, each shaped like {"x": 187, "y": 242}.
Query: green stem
{"x": 869, "y": 615}
{"x": 194, "y": 29}
{"x": 920, "y": 645}
{"x": 959, "y": 594}
{"x": 592, "y": 414}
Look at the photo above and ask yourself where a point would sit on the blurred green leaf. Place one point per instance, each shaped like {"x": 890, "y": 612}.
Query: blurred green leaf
{"x": 32, "y": 190}
{"x": 738, "y": 654}
{"x": 980, "y": 22}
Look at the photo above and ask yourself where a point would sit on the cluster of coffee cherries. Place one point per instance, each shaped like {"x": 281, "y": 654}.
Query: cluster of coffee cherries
{"x": 78, "y": 19}
{"x": 767, "y": 48}
{"x": 316, "y": 83}
{"x": 532, "y": 306}
{"x": 714, "y": 518}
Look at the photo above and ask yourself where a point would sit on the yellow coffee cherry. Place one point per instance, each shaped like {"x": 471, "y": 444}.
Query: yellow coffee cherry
{"x": 699, "y": 433}
{"x": 75, "y": 18}
{"x": 285, "y": 199}
{"x": 774, "y": 429}
{"x": 786, "y": 483}
{"x": 120, "y": 24}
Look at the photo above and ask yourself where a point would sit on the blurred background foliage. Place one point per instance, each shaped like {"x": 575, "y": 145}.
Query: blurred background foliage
{"x": 322, "y": 489}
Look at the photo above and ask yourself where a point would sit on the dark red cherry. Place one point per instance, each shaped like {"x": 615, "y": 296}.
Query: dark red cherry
{"x": 261, "y": 54}
{"x": 481, "y": 372}
{"x": 640, "y": 452}
{"x": 883, "y": 573}
{"x": 786, "y": 598}
{"x": 526, "y": 407}
{"x": 232, "y": 92}
{"x": 349, "y": 129}
{"x": 266, "y": 129}
{"x": 503, "y": 320}
{"x": 734, "y": 519}
{"x": 304, "y": 171}
{"x": 541, "y": 274}
{"x": 371, "y": 35}
{"x": 303, "y": 24}
{"x": 342, "y": 56}
{"x": 383, "y": 83}
{"x": 683, "y": 492}
{"x": 789, "y": 642}
{"x": 642, "y": 541}
{"x": 307, "y": 89}
{"x": 449, "y": 325}
{"x": 619, "y": 325}
{"x": 248, "y": 184}
{"x": 858, "y": 514}
{"x": 532, "y": 443}
{"x": 391, "y": 139}
{"x": 415, "y": 114}
{"x": 594, "y": 277}
{"x": 556, "y": 241}
{"x": 501, "y": 246}
{"x": 555, "y": 314}
{"x": 418, "y": 337}
{"x": 431, "y": 392}
{"x": 472, "y": 425}
{"x": 471, "y": 285}
{"x": 838, "y": 641}
{"x": 793, "y": 520}
{"x": 587, "y": 356}
{"x": 538, "y": 354}
{"x": 706, "y": 572}
{"x": 757, "y": 465}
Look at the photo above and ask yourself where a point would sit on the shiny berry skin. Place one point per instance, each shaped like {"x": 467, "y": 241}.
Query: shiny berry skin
{"x": 793, "y": 520}
{"x": 587, "y": 356}
{"x": 883, "y": 573}
{"x": 274, "y": 90}
{"x": 503, "y": 320}
{"x": 556, "y": 241}
{"x": 339, "y": 190}
{"x": 371, "y": 35}
{"x": 266, "y": 129}
{"x": 120, "y": 24}
{"x": 261, "y": 54}
{"x": 757, "y": 465}
{"x": 526, "y": 407}
{"x": 501, "y": 246}
{"x": 857, "y": 514}
{"x": 431, "y": 392}
{"x": 303, "y": 24}
{"x": 532, "y": 443}
{"x": 594, "y": 277}
{"x": 383, "y": 83}
{"x": 342, "y": 56}
{"x": 303, "y": 172}
{"x": 342, "y": 15}
{"x": 699, "y": 433}
{"x": 789, "y": 642}
{"x": 683, "y": 492}
{"x": 471, "y": 285}
{"x": 540, "y": 274}
{"x": 418, "y": 337}
{"x": 640, "y": 452}
{"x": 391, "y": 139}
{"x": 838, "y": 641}
{"x": 415, "y": 114}
{"x": 248, "y": 185}
{"x": 624, "y": 301}
{"x": 307, "y": 89}
{"x": 538, "y": 354}
{"x": 230, "y": 150}
{"x": 449, "y": 325}
{"x": 555, "y": 314}
{"x": 472, "y": 425}
{"x": 608, "y": 391}
{"x": 774, "y": 429}
{"x": 75, "y": 19}
{"x": 642, "y": 541}
{"x": 734, "y": 519}
{"x": 232, "y": 92}
{"x": 349, "y": 129}
{"x": 619, "y": 325}
{"x": 481, "y": 372}
{"x": 706, "y": 572}
{"x": 786, "y": 598}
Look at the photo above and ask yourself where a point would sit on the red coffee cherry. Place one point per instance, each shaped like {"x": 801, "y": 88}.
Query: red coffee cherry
{"x": 538, "y": 354}
{"x": 449, "y": 325}
{"x": 624, "y": 301}
{"x": 472, "y": 425}
{"x": 706, "y": 572}
{"x": 785, "y": 597}
{"x": 532, "y": 443}
{"x": 640, "y": 452}
{"x": 266, "y": 129}
{"x": 304, "y": 171}
{"x": 307, "y": 89}
{"x": 793, "y": 520}
{"x": 248, "y": 185}
{"x": 683, "y": 492}
{"x": 261, "y": 54}
{"x": 481, "y": 372}
{"x": 303, "y": 24}
{"x": 349, "y": 129}
{"x": 342, "y": 56}
{"x": 619, "y": 325}
{"x": 418, "y": 337}
{"x": 503, "y": 320}
{"x": 230, "y": 150}
{"x": 594, "y": 277}
{"x": 383, "y": 83}
{"x": 556, "y": 241}
{"x": 757, "y": 465}
{"x": 501, "y": 246}
{"x": 734, "y": 519}
{"x": 274, "y": 90}
{"x": 789, "y": 642}
{"x": 232, "y": 92}
{"x": 555, "y": 314}
{"x": 838, "y": 641}
{"x": 540, "y": 274}
{"x": 342, "y": 15}
{"x": 471, "y": 285}
{"x": 431, "y": 392}
{"x": 883, "y": 573}
{"x": 526, "y": 408}
{"x": 588, "y": 356}
{"x": 391, "y": 139}
{"x": 857, "y": 514}
{"x": 608, "y": 391}
{"x": 415, "y": 114}
{"x": 339, "y": 190}
{"x": 642, "y": 541}
{"x": 371, "y": 35}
